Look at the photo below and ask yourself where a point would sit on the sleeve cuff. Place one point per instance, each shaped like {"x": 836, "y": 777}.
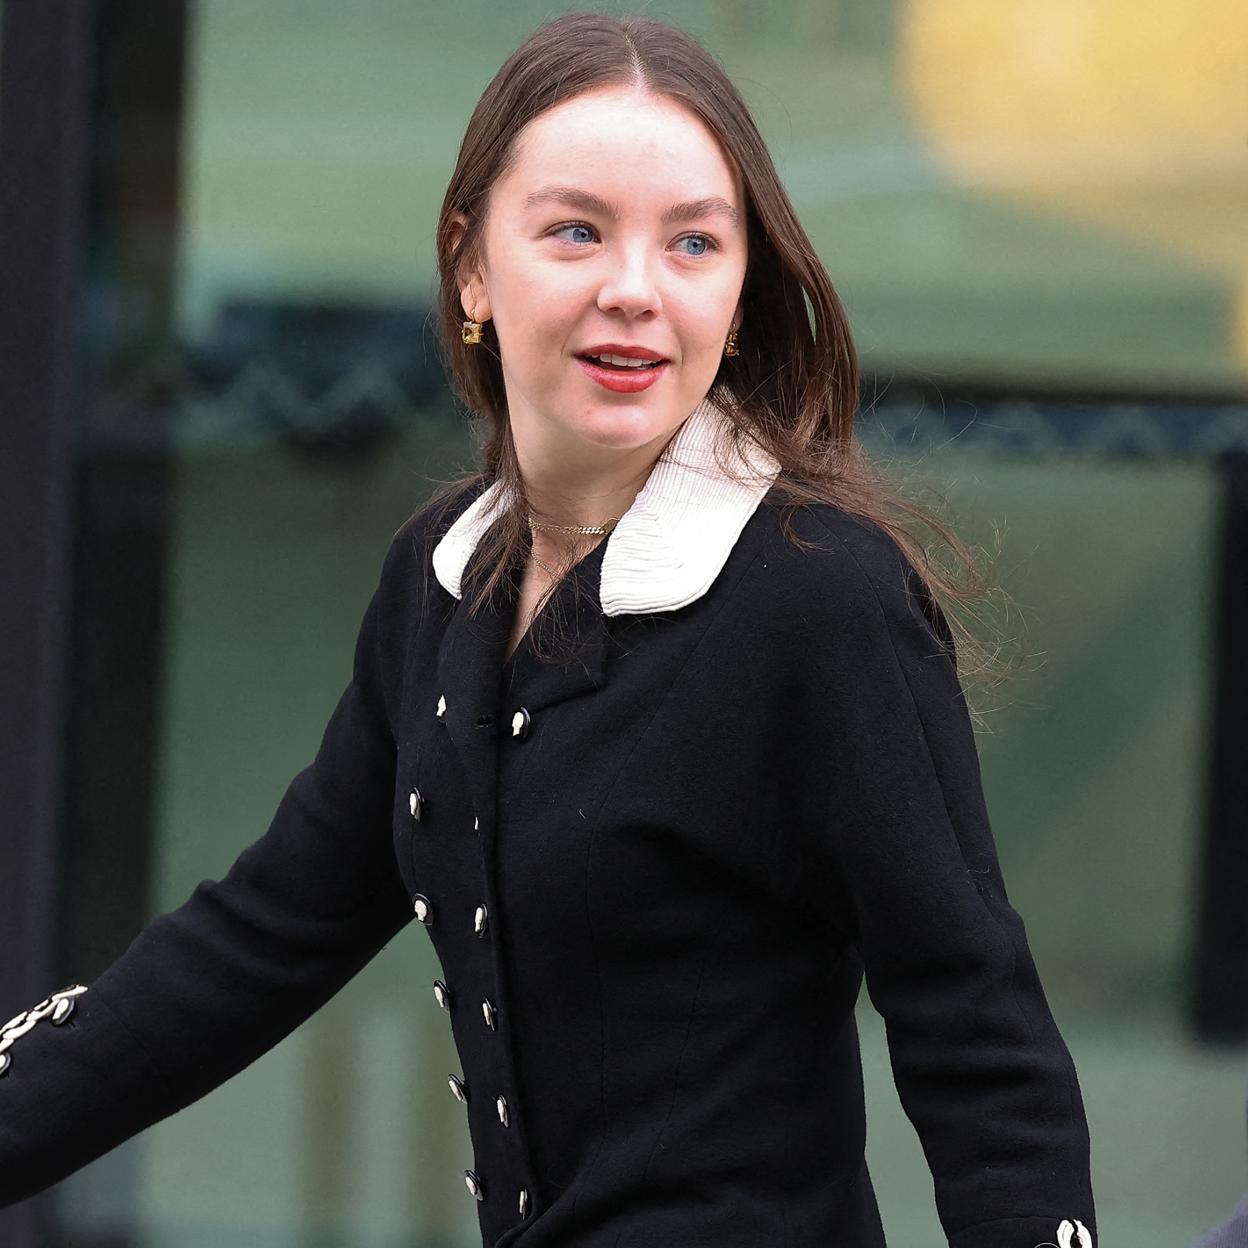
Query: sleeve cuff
{"x": 1049, "y": 1232}
{"x": 76, "y": 1085}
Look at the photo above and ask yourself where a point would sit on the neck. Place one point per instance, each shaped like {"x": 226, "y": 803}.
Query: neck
{"x": 582, "y": 484}
{"x": 592, "y": 506}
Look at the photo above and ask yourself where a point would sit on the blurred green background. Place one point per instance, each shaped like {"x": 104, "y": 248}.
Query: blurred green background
{"x": 1003, "y": 188}
{"x": 1005, "y": 193}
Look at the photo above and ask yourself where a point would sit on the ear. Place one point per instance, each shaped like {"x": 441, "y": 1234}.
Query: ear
{"x": 737, "y": 317}
{"x": 473, "y": 295}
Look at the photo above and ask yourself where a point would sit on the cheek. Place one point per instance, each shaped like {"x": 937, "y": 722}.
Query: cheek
{"x": 702, "y": 332}
{"x": 539, "y": 309}
{"x": 703, "y": 312}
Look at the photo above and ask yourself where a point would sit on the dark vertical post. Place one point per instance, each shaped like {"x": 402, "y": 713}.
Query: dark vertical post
{"x": 122, "y": 496}
{"x": 44, "y": 68}
{"x": 124, "y": 478}
{"x": 1220, "y": 957}
{"x": 90, "y": 131}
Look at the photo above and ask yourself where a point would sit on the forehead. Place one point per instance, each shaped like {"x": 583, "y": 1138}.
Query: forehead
{"x": 623, "y": 138}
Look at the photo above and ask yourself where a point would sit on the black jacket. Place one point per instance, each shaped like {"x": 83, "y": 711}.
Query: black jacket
{"x": 653, "y": 877}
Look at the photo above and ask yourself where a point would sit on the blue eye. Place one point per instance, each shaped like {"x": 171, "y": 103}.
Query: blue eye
{"x": 576, "y": 225}
{"x": 706, "y": 243}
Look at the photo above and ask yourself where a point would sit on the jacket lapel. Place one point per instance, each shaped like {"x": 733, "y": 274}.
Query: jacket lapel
{"x": 583, "y": 628}
{"x": 482, "y": 693}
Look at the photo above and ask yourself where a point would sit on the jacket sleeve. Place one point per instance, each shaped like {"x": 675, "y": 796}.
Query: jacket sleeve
{"x": 207, "y": 988}
{"x": 981, "y": 1069}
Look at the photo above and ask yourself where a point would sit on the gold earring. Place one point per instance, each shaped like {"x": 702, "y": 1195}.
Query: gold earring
{"x": 471, "y": 331}
{"x": 730, "y": 344}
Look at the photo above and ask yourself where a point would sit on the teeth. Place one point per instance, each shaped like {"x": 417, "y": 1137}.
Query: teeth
{"x": 623, "y": 360}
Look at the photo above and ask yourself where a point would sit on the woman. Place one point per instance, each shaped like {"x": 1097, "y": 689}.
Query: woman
{"x": 655, "y": 728}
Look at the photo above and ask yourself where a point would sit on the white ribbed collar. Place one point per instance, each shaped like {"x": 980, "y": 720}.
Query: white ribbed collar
{"x": 670, "y": 544}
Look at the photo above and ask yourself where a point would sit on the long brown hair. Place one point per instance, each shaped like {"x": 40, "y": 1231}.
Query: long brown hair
{"x": 793, "y": 387}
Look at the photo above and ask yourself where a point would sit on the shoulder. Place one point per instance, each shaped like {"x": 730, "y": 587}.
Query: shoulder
{"x": 828, "y": 556}
{"x": 845, "y": 571}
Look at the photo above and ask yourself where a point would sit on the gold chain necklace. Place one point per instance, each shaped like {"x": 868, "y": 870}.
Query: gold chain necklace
{"x": 605, "y": 527}
{"x": 534, "y": 525}
{"x": 545, "y": 567}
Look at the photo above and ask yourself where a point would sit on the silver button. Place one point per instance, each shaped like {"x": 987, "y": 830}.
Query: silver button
{"x": 423, "y": 908}
{"x": 414, "y": 804}
{"x": 1066, "y": 1233}
{"x": 479, "y": 920}
{"x": 489, "y": 1013}
{"x": 62, "y": 1010}
{"x": 524, "y": 1202}
{"x": 442, "y": 994}
{"x": 476, "y": 824}
{"x": 520, "y": 723}
{"x": 504, "y": 1114}
{"x": 475, "y": 1186}
{"x": 441, "y": 705}
{"x": 459, "y": 1089}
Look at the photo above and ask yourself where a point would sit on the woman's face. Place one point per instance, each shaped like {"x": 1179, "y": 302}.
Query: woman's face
{"x": 621, "y": 223}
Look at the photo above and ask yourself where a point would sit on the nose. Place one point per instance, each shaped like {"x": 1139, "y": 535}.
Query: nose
{"x": 629, "y": 284}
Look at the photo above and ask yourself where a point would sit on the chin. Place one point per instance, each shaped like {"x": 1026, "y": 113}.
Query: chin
{"x": 623, "y": 427}
{"x": 633, "y": 424}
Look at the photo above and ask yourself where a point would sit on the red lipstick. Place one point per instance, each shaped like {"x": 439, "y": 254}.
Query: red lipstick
{"x": 622, "y": 379}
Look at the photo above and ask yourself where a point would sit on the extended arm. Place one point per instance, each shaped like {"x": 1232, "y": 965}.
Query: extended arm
{"x": 206, "y": 989}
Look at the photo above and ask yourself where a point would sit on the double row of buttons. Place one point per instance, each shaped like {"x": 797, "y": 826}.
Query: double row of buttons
{"x": 477, "y": 1188}
{"x": 423, "y": 908}
{"x": 459, "y": 1089}
{"x": 424, "y": 912}
{"x": 442, "y": 995}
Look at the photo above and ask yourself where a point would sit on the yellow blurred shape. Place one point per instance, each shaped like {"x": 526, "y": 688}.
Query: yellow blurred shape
{"x": 1130, "y": 115}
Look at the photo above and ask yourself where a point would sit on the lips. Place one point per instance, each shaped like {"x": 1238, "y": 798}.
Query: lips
{"x": 627, "y": 351}
{"x": 622, "y": 380}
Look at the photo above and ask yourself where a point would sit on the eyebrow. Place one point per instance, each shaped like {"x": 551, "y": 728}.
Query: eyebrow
{"x": 587, "y": 201}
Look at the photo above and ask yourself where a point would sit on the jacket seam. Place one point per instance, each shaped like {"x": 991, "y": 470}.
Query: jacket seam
{"x": 684, "y": 1045}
